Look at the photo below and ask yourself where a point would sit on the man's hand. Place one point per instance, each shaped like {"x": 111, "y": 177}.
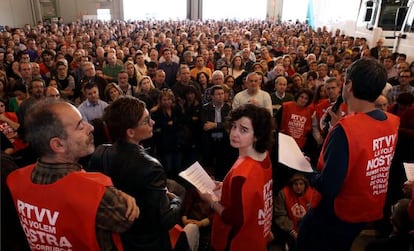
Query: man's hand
{"x": 335, "y": 117}
{"x": 209, "y": 125}
{"x": 171, "y": 195}
{"x": 132, "y": 212}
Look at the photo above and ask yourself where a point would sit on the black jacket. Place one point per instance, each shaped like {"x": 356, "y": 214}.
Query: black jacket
{"x": 138, "y": 174}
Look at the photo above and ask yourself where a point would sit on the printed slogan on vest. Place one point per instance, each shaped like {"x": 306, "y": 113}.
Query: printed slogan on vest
{"x": 378, "y": 167}
{"x": 39, "y": 225}
{"x": 265, "y": 215}
{"x": 296, "y": 125}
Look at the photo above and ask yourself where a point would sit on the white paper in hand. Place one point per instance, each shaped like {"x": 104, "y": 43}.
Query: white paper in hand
{"x": 409, "y": 171}
{"x": 197, "y": 176}
{"x": 291, "y": 155}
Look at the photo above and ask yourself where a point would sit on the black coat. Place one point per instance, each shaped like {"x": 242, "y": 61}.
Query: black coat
{"x": 138, "y": 174}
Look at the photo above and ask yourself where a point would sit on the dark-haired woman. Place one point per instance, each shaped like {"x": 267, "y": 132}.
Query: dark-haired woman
{"x": 243, "y": 214}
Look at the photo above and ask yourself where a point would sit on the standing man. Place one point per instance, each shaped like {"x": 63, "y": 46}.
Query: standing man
{"x": 354, "y": 165}
{"x": 36, "y": 89}
{"x": 280, "y": 95}
{"x": 93, "y": 107}
{"x": 200, "y": 67}
{"x": 25, "y": 69}
{"x": 217, "y": 144}
{"x": 112, "y": 68}
{"x": 126, "y": 87}
{"x": 170, "y": 68}
{"x": 159, "y": 79}
{"x": 53, "y": 195}
{"x": 333, "y": 91}
{"x": 403, "y": 86}
{"x": 253, "y": 94}
{"x": 91, "y": 77}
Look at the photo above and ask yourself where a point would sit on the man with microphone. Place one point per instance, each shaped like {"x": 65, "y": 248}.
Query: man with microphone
{"x": 321, "y": 120}
{"x": 353, "y": 166}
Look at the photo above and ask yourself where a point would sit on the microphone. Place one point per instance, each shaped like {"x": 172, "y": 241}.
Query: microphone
{"x": 328, "y": 117}
{"x": 334, "y": 109}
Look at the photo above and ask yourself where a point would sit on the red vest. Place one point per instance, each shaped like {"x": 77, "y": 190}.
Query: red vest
{"x": 10, "y": 133}
{"x": 59, "y": 216}
{"x": 296, "y": 121}
{"x": 321, "y": 107}
{"x": 297, "y": 206}
{"x": 363, "y": 193}
{"x": 254, "y": 234}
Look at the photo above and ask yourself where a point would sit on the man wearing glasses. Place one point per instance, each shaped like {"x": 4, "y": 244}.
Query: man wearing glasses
{"x": 404, "y": 86}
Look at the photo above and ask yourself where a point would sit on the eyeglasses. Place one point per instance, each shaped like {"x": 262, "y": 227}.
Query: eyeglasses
{"x": 146, "y": 121}
{"x": 404, "y": 76}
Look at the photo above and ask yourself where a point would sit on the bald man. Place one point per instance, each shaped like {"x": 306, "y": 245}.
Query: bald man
{"x": 52, "y": 92}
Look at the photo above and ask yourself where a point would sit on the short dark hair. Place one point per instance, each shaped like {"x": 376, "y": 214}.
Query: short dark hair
{"x": 368, "y": 78}
{"x": 202, "y": 73}
{"x": 48, "y": 52}
{"x": 214, "y": 88}
{"x": 312, "y": 74}
{"x": 123, "y": 114}
{"x": 42, "y": 124}
{"x": 332, "y": 79}
{"x": 90, "y": 85}
{"x": 307, "y": 92}
{"x": 152, "y": 64}
{"x": 36, "y": 79}
{"x": 262, "y": 123}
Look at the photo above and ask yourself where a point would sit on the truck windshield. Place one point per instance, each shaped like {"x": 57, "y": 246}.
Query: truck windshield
{"x": 389, "y": 12}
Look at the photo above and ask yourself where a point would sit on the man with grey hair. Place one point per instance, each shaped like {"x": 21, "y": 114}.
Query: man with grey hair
{"x": 53, "y": 186}
{"x": 253, "y": 94}
{"x": 217, "y": 78}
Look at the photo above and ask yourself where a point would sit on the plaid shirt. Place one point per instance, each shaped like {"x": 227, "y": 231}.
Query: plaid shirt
{"x": 111, "y": 211}
{"x": 397, "y": 90}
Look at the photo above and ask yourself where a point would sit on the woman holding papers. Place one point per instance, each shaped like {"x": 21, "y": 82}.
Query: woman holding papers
{"x": 243, "y": 215}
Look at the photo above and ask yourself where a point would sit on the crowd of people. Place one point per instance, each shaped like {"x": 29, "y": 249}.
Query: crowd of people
{"x": 167, "y": 94}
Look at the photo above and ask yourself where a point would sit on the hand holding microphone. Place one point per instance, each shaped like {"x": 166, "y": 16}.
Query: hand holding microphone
{"x": 331, "y": 117}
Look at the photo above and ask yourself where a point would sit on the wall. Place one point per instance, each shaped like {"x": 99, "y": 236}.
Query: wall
{"x": 72, "y": 10}
{"x": 16, "y": 13}
{"x": 336, "y": 14}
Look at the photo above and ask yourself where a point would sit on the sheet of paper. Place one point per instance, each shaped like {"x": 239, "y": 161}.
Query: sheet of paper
{"x": 197, "y": 176}
{"x": 291, "y": 155}
{"x": 409, "y": 170}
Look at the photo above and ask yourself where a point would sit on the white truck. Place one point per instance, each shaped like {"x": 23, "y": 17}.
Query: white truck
{"x": 390, "y": 20}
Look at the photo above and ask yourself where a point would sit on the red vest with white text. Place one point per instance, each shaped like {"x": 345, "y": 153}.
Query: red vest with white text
{"x": 371, "y": 146}
{"x": 296, "y": 121}
{"x": 254, "y": 234}
{"x": 297, "y": 206}
{"x": 59, "y": 216}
